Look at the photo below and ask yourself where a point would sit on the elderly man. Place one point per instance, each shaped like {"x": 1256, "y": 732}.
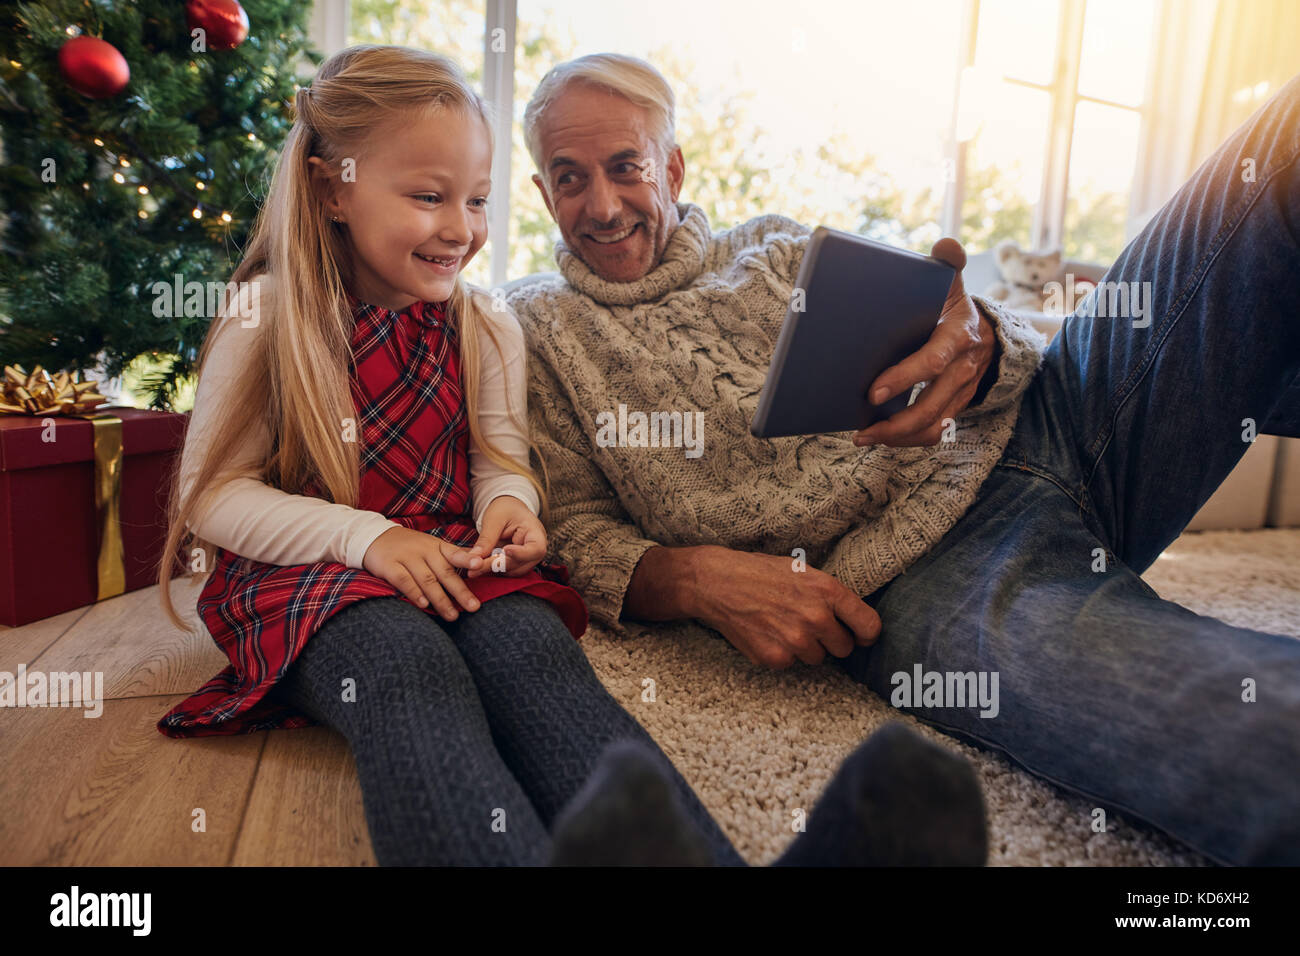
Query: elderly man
{"x": 1022, "y": 537}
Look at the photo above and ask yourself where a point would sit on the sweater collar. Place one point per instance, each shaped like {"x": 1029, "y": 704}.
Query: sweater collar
{"x": 682, "y": 263}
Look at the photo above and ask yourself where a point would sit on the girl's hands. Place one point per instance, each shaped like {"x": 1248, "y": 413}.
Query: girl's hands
{"x": 508, "y": 523}
{"x": 423, "y": 567}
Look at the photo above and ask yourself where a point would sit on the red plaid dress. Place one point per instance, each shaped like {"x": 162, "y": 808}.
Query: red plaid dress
{"x": 405, "y": 379}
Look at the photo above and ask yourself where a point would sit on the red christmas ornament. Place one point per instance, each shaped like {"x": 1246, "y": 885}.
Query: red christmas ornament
{"x": 93, "y": 67}
{"x": 223, "y": 22}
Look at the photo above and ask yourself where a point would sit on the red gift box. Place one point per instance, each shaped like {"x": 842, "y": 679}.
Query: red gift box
{"x": 51, "y": 525}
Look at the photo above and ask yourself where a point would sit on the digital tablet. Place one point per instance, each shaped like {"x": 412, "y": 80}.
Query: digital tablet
{"x": 858, "y": 307}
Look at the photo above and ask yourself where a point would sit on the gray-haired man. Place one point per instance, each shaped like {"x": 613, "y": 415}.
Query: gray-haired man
{"x": 1108, "y": 451}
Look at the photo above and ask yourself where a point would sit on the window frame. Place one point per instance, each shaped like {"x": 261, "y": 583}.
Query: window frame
{"x": 1048, "y": 230}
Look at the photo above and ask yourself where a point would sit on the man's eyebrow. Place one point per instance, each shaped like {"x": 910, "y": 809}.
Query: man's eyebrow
{"x": 630, "y": 153}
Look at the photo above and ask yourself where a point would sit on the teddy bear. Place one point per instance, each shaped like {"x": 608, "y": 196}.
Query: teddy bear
{"x": 1023, "y": 276}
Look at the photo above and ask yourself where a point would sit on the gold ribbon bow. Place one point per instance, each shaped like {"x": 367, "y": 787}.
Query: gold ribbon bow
{"x": 41, "y": 394}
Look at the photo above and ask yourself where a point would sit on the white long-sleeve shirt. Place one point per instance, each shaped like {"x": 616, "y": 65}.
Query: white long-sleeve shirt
{"x": 253, "y": 519}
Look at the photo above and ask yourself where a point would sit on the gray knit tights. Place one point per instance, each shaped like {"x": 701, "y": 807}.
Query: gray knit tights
{"x": 469, "y": 736}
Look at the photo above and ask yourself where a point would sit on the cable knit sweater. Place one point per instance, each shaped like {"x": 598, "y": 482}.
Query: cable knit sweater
{"x": 696, "y": 334}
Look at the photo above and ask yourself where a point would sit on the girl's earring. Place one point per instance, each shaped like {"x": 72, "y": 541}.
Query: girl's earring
{"x": 334, "y": 218}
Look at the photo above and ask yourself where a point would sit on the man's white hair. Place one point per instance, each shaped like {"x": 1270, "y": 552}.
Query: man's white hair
{"x": 629, "y": 77}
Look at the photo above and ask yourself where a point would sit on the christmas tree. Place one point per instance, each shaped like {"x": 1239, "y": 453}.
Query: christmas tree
{"x": 113, "y": 194}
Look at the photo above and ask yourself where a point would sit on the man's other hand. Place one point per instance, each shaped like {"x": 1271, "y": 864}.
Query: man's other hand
{"x": 776, "y": 615}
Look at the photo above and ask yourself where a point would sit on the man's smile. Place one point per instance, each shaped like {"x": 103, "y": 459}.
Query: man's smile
{"x": 612, "y": 238}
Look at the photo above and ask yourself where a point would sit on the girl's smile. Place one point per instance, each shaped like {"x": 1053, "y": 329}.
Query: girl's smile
{"x": 441, "y": 265}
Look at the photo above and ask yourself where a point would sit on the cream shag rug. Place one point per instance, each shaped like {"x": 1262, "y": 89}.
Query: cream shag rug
{"x": 759, "y": 744}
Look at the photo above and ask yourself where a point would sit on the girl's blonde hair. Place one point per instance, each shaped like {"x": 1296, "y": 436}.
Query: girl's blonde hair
{"x": 295, "y": 377}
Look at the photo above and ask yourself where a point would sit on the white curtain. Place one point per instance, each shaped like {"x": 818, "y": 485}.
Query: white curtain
{"x": 1256, "y": 49}
{"x": 1217, "y": 61}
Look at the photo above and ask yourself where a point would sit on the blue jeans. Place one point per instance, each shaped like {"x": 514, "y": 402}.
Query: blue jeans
{"x": 1105, "y": 689}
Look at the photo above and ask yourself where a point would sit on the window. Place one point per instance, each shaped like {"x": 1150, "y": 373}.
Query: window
{"x": 983, "y": 119}
{"x": 1051, "y": 110}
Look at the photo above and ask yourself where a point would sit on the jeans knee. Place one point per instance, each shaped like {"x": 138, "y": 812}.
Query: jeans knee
{"x": 1290, "y": 94}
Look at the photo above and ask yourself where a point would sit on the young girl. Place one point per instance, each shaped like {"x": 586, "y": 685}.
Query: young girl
{"x": 356, "y": 444}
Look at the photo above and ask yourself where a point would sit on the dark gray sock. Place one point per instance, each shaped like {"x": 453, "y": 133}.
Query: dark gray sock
{"x": 898, "y": 800}
{"x": 551, "y": 716}
{"x": 627, "y": 814}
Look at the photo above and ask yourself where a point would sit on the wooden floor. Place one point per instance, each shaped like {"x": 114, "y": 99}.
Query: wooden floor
{"x": 114, "y": 791}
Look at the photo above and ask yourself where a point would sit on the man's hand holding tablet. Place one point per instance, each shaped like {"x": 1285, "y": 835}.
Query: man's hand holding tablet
{"x": 868, "y": 322}
{"x": 956, "y": 360}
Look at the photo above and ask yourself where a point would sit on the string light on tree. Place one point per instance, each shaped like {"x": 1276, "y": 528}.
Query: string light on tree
{"x": 159, "y": 152}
